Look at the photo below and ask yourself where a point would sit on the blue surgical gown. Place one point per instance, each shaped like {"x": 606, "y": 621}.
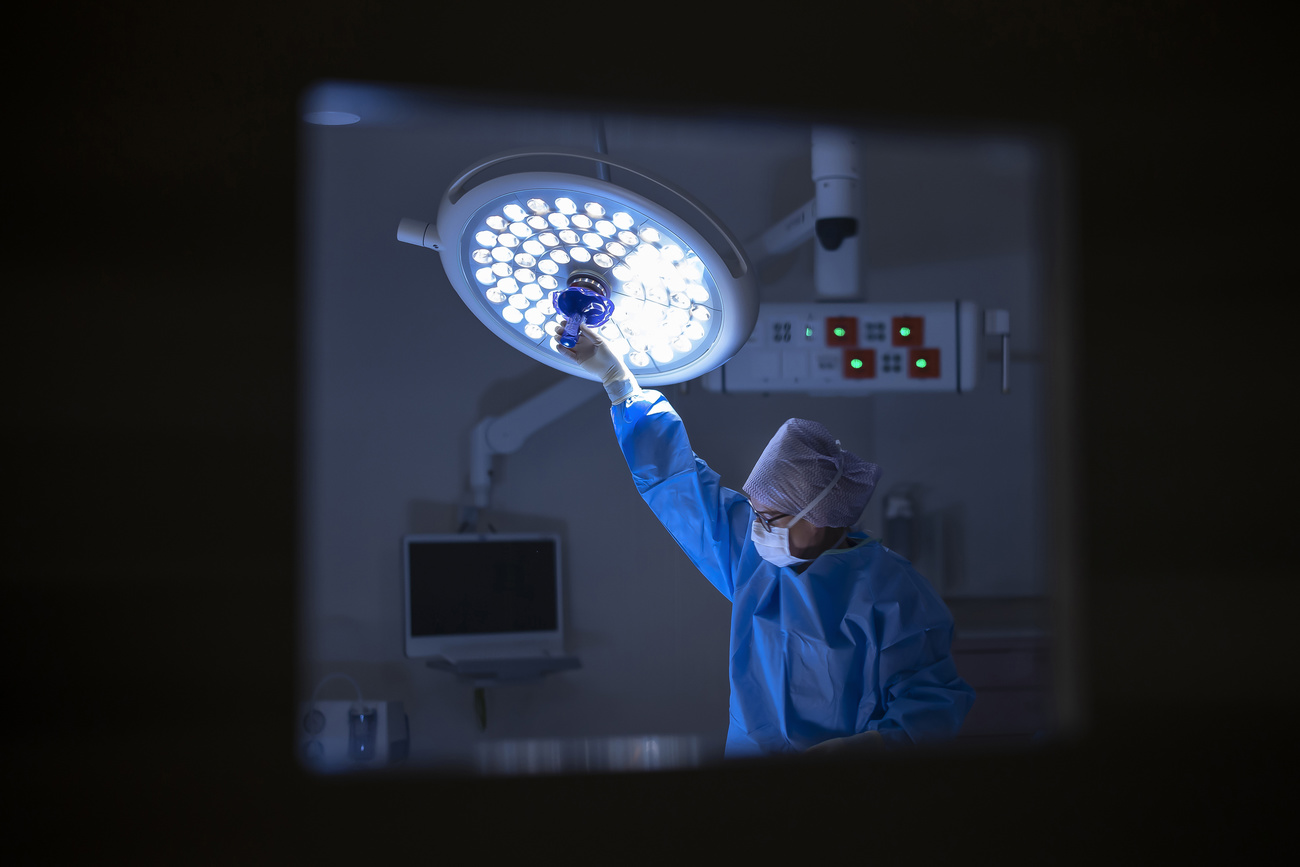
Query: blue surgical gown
{"x": 857, "y": 641}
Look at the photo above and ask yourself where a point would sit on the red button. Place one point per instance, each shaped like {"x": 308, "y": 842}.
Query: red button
{"x": 867, "y": 370}
{"x": 915, "y": 328}
{"x": 849, "y": 324}
{"x": 923, "y": 364}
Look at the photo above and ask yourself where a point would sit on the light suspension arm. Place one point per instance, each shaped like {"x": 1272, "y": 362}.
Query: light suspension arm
{"x": 835, "y": 176}
{"x": 505, "y": 434}
{"x": 831, "y": 217}
{"x": 788, "y": 233}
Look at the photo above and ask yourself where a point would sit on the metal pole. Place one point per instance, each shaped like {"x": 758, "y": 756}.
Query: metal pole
{"x": 602, "y": 147}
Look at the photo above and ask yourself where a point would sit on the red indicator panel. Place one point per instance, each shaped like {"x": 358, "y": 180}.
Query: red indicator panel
{"x": 859, "y": 363}
{"x": 841, "y": 331}
{"x": 908, "y": 331}
{"x": 922, "y": 364}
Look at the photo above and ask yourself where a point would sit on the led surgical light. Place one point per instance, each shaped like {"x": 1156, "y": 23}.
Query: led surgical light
{"x": 680, "y": 286}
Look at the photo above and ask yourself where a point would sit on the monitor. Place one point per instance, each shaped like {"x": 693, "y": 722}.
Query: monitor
{"x": 471, "y": 595}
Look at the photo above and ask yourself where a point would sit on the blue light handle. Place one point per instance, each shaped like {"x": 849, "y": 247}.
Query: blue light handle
{"x": 585, "y": 301}
{"x": 572, "y": 329}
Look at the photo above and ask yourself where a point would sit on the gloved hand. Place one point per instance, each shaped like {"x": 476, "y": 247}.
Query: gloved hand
{"x": 594, "y": 356}
{"x": 854, "y": 745}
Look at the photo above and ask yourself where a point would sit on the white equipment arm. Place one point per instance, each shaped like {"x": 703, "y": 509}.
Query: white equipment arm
{"x": 503, "y": 435}
{"x": 831, "y": 217}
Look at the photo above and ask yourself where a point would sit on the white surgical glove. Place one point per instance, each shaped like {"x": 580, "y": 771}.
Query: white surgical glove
{"x": 594, "y": 356}
{"x": 863, "y": 743}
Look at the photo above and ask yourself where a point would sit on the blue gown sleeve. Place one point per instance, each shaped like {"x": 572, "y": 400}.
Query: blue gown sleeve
{"x": 925, "y": 698}
{"x": 708, "y": 521}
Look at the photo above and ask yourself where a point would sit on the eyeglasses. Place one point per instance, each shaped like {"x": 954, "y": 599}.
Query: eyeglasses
{"x": 764, "y": 519}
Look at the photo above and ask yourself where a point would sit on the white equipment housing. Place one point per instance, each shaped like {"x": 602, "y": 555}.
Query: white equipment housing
{"x": 335, "y": 736}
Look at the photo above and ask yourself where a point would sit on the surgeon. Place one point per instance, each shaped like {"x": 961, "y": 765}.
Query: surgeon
{"x": 838, "y": 646}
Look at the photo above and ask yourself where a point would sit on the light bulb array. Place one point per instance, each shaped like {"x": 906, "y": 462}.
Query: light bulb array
{"x": 519, "y": 247}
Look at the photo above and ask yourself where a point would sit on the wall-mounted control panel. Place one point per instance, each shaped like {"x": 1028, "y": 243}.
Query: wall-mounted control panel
{"x": 856, "y": 348}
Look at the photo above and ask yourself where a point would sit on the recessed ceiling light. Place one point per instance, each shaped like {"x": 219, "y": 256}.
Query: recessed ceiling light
{"x": 331, "y": 118}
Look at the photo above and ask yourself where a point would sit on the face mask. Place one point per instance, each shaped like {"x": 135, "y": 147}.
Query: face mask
{"x": 774, "y": 545}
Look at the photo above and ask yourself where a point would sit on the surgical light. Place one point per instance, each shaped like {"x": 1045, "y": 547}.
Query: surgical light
{"x": 664, "y": 282}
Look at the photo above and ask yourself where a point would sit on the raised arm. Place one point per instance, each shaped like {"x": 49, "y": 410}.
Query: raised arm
{"x": 709, "y": 522}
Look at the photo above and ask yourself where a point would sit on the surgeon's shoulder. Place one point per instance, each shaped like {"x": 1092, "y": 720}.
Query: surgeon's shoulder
{"x": 903, "y": 580}
{"x": 884, "y": 565}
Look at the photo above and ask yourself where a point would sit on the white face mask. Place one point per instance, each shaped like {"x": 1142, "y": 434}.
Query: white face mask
{"x": 774, "y": 545}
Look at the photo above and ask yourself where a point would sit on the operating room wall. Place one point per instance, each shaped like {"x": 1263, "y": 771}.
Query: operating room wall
{"x": 396, "y": 372}
{"x": 962, "y": 218}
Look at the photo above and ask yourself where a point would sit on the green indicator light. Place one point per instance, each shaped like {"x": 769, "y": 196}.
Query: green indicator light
{"x": 920, "y": 362}
{"x": 807, "y": 332}
{"x": 839, "y": 332}
{"x": 905, "y": 331}
{"x": 855, "y": 363}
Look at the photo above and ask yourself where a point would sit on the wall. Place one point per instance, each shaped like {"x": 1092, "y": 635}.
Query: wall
{"x": 957, "y": 219}
{"x": 396, "y": 371}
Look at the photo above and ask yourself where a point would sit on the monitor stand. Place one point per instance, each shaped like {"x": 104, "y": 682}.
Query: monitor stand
{"x": 482, "y": 673}
{"x": 490, "y": 672}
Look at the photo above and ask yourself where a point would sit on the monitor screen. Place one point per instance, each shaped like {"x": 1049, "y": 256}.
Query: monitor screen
{"x": 481, "y": 585}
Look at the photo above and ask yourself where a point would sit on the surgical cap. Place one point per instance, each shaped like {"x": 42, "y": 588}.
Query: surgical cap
{"x": 797, "y": 465}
